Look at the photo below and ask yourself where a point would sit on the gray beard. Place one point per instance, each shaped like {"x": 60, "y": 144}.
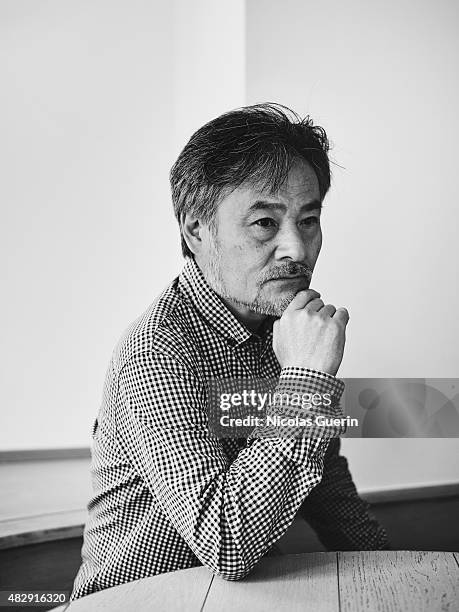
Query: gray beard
{"x": 212, "y": 274}
{"x": 266, "y": 307}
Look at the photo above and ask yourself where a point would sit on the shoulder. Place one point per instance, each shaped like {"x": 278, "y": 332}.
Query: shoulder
{"x": 167, "y": 328}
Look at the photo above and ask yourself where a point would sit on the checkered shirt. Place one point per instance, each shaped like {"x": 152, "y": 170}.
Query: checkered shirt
{"x": 168, "y": 493}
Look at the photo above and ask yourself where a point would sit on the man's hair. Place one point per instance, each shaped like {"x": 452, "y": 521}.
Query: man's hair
{"x": 258, "y": 144}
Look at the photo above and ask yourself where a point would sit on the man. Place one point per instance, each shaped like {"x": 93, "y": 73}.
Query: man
{"x": 168, "y": 493}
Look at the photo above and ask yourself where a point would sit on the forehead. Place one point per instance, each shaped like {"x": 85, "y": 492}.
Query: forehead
{"x": 300, "y": 187}
{"x": 301, "y": 181}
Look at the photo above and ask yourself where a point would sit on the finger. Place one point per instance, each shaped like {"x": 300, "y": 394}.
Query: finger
{"x": 342, "y": 315}
{"x": 315, "y": 305}
{"x": 328, "y": 310}
{"x": 301, "y": 299}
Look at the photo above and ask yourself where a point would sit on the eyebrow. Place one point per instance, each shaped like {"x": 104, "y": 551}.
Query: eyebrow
{"x": 265, "y": 205}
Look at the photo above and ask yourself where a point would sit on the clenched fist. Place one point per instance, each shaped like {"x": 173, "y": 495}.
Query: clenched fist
{"x": 310, "y": 334}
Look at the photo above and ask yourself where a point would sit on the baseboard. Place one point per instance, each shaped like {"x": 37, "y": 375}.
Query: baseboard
{"x": 42, "y": 528}
{"x": 398, "y": 494}
{"x": 69, "y": 524}
{"x": 46, "y": 454}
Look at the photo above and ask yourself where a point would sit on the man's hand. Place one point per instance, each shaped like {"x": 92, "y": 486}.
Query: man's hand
{"x": 310, "y": 334}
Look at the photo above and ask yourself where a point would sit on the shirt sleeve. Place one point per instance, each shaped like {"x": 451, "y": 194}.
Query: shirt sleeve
{"x": 229, "y": 514}
{"x": 340, "y": 517}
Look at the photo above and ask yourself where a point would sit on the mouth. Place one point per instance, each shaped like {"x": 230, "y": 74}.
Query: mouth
{"x": 297, "y": 281}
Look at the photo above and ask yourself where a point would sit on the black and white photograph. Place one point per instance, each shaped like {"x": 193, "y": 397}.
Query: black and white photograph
{"x": 230, "y": 357}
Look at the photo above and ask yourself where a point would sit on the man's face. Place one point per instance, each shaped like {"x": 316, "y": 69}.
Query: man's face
{"x": 264, "y": 248}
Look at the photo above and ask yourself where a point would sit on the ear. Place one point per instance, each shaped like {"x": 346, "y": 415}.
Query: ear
{"x": 192, "y": 232}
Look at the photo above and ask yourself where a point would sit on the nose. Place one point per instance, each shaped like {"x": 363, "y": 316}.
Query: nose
{"x": 291, "y": 245}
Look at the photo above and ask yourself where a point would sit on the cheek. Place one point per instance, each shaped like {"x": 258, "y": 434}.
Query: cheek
{"x": 249, "y": 251}
{"x": 257, "y": 259}
{"x": 247, "y": 263}
{"x": 317, "y": 244}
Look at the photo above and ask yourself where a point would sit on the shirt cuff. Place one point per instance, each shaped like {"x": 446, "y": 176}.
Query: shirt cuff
{"x": 323, "y": 382}
{"x": 307, "y": 406}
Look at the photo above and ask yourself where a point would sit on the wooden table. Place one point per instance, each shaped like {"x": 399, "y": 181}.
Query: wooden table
{"x": 369, "y": 581}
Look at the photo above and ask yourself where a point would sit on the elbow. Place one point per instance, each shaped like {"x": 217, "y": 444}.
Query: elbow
{"x": 228, "y": 567}
{"x": 232, "y": 575}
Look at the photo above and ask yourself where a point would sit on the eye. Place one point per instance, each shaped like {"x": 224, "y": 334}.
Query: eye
{"x": 265, "y": 222}
{"x": 310, "y": 221}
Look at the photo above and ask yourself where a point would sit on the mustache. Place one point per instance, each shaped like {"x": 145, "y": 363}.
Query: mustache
{"x": 290, "y": 268}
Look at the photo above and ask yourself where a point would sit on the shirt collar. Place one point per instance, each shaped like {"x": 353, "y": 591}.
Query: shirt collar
{"x": 194, "y": 286}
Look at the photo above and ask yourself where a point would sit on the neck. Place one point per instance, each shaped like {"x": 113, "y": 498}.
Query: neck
{"x": 255, "y": 322}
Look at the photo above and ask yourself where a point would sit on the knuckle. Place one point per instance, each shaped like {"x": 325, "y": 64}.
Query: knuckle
{"x": 319, "y": 318}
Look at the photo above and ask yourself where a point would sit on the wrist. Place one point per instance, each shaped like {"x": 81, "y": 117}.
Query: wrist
{"x": 314, "y": 367}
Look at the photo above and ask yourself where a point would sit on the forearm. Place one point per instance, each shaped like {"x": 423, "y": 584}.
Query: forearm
{"x": 249, "y": 507}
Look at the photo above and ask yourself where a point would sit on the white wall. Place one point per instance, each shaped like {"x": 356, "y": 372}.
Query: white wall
{"x": 86, "y": 101}
{"x": 90, "y": 95}
{"x": 381, "y": 77}
{"x": 97, "y": 98}
{"x": 209, "y": 62}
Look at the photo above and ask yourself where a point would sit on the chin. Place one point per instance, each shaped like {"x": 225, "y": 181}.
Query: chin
{"x": 273, "y": 306}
